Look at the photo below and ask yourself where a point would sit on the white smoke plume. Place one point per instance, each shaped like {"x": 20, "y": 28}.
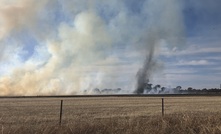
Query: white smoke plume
{"x": 80, "y": 45}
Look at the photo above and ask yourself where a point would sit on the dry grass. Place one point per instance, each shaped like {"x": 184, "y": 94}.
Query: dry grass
{"x": 112, "y": 115}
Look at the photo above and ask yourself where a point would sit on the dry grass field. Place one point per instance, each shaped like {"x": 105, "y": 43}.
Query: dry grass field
{"x": 111, "y": 115}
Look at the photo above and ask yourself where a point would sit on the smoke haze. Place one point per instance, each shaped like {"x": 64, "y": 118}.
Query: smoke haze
{"x": 58, "y": 47}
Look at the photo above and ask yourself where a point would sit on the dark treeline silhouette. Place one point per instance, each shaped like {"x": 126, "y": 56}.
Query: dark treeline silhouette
{"x": 158, "y": 89}
{"x": 148, "y": 88}
{"x": 104, "y": 91}
{"x": 191, "y": 90}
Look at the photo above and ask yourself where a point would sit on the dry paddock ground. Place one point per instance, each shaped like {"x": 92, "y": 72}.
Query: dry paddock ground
{"x": 111, "y": 115}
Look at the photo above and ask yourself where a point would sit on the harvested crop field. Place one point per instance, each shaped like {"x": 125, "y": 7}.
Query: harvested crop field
{"x": 111, "y": 115}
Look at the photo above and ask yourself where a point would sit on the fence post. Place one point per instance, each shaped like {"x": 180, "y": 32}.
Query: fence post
{"x": 61, "y": 111}
{"x": 162, "y": 106}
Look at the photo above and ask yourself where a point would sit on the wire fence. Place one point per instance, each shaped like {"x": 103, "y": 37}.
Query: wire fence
{"x": 59, "y": 111}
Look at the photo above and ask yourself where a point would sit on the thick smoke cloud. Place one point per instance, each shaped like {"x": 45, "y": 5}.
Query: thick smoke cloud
{"x": 75, "y": 51}
{"x": 83, "y": 45}
{"x": 15, "y": 15}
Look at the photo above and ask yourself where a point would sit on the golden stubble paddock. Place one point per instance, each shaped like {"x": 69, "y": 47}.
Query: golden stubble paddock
{"x": 111, "y": 115}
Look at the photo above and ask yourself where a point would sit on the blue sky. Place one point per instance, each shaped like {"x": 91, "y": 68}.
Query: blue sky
{"x": 66, "y": 47}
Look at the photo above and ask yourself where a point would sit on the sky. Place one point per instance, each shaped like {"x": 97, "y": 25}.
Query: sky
{"x": 54, "y": 47}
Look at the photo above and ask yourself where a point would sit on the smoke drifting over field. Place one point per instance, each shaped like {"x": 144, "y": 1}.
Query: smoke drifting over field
{"x": 69, "y": 47}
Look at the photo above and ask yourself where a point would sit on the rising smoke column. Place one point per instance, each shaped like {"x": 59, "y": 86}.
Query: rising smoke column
{"x": 144, "y": 73}
{"x": 165, "y": 25}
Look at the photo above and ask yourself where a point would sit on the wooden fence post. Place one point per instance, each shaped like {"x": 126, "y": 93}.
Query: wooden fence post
{"x": 162, "y": 106}
{"x": 61, "y": 112}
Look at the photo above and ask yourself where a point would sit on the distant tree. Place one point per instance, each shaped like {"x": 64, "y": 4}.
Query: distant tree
{"x": 189, "y": 88}
{"x": 204, "y": 90}
{"x": 178, "y": 87}
{"x": 149, "y": 87}
{"x": 156, "y": 87}
{"x": 97, "y": 91}
{"x": 163, "y": 89}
